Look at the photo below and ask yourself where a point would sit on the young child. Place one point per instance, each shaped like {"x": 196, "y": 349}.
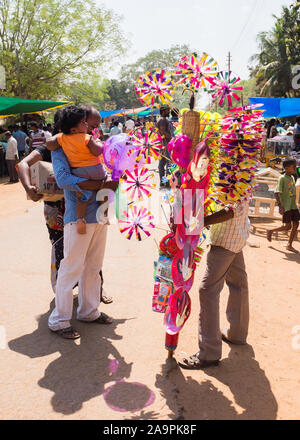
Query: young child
{"x": 285, "y": 195}
{"x": 82, "y": 151}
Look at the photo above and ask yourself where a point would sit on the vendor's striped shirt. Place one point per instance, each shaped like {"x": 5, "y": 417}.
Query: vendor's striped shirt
{"x": 233, "y": 234}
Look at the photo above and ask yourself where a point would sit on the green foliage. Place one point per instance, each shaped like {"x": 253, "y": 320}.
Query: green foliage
{"x": 279, "y": 52}
{"x": 46, "y": 44}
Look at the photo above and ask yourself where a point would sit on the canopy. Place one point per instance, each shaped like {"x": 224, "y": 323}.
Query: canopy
{"x": 278, "y": 107}
{"x": 141, "y": 111}
{"x": 14, "y": 106}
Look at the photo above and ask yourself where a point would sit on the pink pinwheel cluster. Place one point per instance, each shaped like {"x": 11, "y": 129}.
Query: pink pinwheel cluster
{"x": 239, "y": 145}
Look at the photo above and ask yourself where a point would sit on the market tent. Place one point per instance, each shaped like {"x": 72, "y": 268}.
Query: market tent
{"x": 278, "y": 107}
{"x": 14, "y": 106}
{"x": 141, "y": 111}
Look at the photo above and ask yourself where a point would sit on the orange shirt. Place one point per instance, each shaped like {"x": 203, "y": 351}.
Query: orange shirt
{"x": 76, "y": 149}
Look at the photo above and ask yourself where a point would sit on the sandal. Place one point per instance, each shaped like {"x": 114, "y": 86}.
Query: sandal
{"x": 106, "y": 299}
{"x": 103, "y": 319}
{"x": 194, "y": 363}
{"x": 67, "y": 333}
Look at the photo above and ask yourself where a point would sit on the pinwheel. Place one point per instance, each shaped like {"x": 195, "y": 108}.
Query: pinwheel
{"x": 196, "y": 72}
{"x": 137, "y": 183}
{"x": 155, "y": 88}
{"x": 223, "y": 86}
{"x": 148, "y": 144}
{"x": 138, "y": 221}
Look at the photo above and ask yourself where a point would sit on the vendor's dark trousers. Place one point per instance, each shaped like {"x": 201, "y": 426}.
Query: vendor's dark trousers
{"x": 222, "y": 265}
{"x": 12, "y": 172}
{"x": 163, "y": 166}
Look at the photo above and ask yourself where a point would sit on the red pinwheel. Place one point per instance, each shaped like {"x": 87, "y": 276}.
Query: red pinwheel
{"x": 137, "y": 183}
{"x": 223, "y": 86}
{"x": 138, "y": 221}
{"x": 148, "y": 144}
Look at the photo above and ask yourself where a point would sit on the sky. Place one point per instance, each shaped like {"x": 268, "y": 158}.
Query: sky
{"x": 212, "y": 26}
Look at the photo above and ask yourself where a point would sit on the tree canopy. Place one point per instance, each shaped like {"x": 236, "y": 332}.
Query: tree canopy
{"x": 46, "y": 44}
{"x": 279, "y": 53}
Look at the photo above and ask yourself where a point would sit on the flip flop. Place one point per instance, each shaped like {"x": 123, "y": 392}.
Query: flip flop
{"x": 67, "y": 333}
{"x": 107, "y": 299}
{"x": 103, "y": 319}
{"x": 194, "y": 363}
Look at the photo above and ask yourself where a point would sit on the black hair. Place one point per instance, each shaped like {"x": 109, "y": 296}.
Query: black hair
{"x": 298, "y": 119}
{"x": 33, "y": 124}
{"x": 288, "y": 162}
{"x": 70, "y": 117}
{"x": 116, "y": 123}
{"x": 270, "y": 125}
{"x": 175, "y": 112}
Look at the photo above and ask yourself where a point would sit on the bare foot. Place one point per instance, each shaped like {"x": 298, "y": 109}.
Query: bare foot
{"x": 81, "y": 226}
{"x": 269, "y": 236}
{"x": 291, "y": 249}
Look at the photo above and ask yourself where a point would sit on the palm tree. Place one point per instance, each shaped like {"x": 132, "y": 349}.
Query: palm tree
{"x": 278, "y": 54}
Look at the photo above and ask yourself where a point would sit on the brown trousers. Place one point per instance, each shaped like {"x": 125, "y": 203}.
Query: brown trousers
{"x": 222, "y": 265}
{"x": 12, "y": 172}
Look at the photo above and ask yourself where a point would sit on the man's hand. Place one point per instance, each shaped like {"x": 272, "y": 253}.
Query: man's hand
{"x": 281, "y": 210}
{"x": 111, "y": 185}
{"x": 33, "y": 194}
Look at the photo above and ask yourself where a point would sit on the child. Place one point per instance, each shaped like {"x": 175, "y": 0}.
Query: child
{"x": 285, "y": 195}
{"x": 82, "y": 151}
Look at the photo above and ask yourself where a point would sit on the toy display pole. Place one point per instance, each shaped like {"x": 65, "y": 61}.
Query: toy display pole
{"x": 171, "y": 343}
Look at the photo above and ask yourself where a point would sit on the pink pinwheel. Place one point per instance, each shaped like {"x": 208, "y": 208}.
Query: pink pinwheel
{"x": 196, "y": 72}
{"x": 148, "y": 144}
{"x": 137, "y": 182}
{"x": 138, "y": 221}
{"x": 155, "y": 88}
{"x": 223, "y": 86}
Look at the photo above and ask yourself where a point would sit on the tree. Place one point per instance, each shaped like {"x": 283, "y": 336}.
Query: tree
{"x": 46, "y": 44}
{"x": 279, "y": 52}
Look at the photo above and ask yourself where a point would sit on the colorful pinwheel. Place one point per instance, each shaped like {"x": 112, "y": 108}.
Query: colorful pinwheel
{"x": 148, "y": 143}
{"x": 223, "y": 86}
{"x": 137, "y": 183}
{"x": 154, "y": 89}
{"x": 196, "y": 72}
{"x": 138, "y": 221}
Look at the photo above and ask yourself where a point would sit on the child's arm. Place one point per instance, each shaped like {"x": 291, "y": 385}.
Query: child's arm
{"x": 52, "y": 143}
{"x": 95, "y": 148}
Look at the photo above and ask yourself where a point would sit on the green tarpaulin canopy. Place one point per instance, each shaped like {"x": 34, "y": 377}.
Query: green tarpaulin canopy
{"x": 14, "y": 106}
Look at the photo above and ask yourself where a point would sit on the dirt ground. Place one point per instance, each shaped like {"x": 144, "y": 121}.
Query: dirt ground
{"x": 120, "y": 371}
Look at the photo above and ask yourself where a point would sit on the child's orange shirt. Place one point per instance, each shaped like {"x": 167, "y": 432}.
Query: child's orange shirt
{"x": 76, "y": 149}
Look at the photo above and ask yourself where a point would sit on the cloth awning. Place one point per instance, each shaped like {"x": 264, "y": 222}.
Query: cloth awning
{"x": 141, "y": 111}
{"x": 14, "y": 106}
{"x": 278, "y": 107}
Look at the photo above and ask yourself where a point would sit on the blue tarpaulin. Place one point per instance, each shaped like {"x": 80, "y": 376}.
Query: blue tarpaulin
{"x": 142, "y": 111}
{"x": 278, "y": 107}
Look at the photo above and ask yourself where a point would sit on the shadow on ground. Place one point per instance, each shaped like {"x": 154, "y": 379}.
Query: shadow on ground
{"x": 193, "y": 399}
{"x": 82, "y": 370}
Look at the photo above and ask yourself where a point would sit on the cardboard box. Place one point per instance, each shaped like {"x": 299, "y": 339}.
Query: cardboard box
{"x": 42, "y": 176}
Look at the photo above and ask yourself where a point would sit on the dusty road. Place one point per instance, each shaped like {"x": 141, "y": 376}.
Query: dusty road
{"x": 120, "y": 371}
